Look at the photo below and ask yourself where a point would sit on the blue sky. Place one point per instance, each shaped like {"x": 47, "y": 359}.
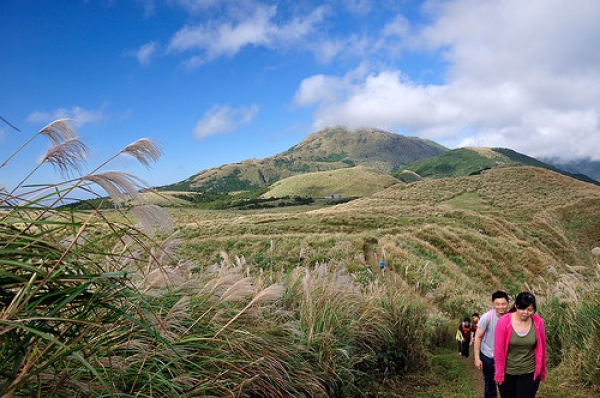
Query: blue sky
{"x": 218, "y": 82}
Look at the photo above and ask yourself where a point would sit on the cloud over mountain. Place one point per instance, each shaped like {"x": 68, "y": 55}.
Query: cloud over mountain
{"x": 520, "y": 75}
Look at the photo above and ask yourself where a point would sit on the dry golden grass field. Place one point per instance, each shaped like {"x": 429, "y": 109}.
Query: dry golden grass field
{"x": 452, "y": 240}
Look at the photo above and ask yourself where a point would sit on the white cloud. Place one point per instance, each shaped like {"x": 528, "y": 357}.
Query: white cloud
{"x": 146, "y": 52}
{"x": 522, "y": 75}
{"x": 222, "y": 119}
{"x": 225, "y": 39}
{"x": 253, "y": 27}
{"x": 319, "y": 89}
{"x": 385, "y": 100}
{"x": 79, "y": 115}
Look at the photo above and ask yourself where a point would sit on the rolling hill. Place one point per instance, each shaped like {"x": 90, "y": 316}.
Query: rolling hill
{"x": 473, "y": 160}
{"x": 356, "y": 181}
{"x": 328, "y": 149}
{"x": 337, "y": 160}
{"x": 453, "y": 240}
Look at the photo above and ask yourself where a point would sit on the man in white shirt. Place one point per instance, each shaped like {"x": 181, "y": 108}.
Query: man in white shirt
{"x": 484, "y": 341}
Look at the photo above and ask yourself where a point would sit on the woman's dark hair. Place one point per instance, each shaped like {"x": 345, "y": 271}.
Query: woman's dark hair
{"x": 524, "y": 300}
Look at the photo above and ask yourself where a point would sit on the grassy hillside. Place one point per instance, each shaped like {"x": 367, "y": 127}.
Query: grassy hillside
{"x": 466, "y": 161}
{"x": 451, "y": 241}
{"x": 349, "y": 182}
{"x": 328, "y": 149}
{"x": 507, "y": 227}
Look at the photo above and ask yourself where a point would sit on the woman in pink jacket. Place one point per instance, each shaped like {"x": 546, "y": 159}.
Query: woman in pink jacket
{"x": 520, "y": 350}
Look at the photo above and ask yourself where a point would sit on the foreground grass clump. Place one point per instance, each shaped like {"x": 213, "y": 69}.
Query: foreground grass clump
{"x": 359, "y": 333}
{"x": 71, "y": 321}
{"x": 572, "y": 313}
{"x": 310, "y": 332}
{"x": 82, "y": 302}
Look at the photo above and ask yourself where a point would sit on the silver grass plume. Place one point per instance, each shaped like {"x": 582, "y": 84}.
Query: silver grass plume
{"x": 167, "y": 277}
{"x": 173, "y": 322}
{"x": 170, "y": 244}
{"x": 225, "y": 259}
{"x": 144, "y": 150}
{"x": 58, "y": 131}
{"x": 218, "y": 284}
{"x": 67, "y": 155}
{"x": 271, "y": 293}
{"x": 239, "y": 291}
{"x": 153, "y": 218}
{"x": 119, "y": 185}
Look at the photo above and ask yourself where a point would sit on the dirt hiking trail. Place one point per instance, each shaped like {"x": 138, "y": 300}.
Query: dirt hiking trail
{"x": 476, "y": 375}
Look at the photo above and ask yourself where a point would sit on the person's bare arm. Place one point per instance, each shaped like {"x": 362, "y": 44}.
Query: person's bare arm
{"x": 477, "y": 347}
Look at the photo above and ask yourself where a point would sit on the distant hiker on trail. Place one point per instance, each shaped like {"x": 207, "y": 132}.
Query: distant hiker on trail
{"x": 382, "y": 266}
{"x": 520, "y": 349}
{"x": 483, "y": 345}
{"x": 466, "y": 334}
{"x": 475, "y": 320}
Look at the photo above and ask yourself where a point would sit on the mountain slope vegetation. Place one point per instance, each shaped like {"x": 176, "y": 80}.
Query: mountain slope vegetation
{"x": 472, "y": 160}
{"x": 450, "y": 241}
{"x": 328, "y": 149}
{"x": 505, "y": 227}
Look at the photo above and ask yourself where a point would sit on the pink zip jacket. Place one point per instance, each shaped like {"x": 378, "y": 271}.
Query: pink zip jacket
{"x": 502, "y": 338}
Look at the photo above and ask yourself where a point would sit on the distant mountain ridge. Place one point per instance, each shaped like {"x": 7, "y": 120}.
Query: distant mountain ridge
{"x": 331, "y": 148}
{"x": 373, "y": 148}
{"x": 586, "y": 167}
{"x": 408, "y": 159}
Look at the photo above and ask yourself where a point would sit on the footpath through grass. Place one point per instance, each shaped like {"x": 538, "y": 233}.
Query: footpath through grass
{"x": 450, "y": 376}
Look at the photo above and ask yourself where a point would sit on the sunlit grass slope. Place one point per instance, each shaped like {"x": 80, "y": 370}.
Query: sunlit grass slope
{"x": 506, "y": 228}
{"x": 451, "y": 241}
{"x": 350, "y": 182}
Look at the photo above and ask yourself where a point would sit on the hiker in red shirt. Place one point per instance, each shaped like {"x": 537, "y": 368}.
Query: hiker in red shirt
{"x": 466, "y": 334}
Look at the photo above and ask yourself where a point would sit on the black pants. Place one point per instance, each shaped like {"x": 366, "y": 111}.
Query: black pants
{"x": 464, "y": 348}
{"x": 519, "y": 386}
{"x": 488, "y": 376}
